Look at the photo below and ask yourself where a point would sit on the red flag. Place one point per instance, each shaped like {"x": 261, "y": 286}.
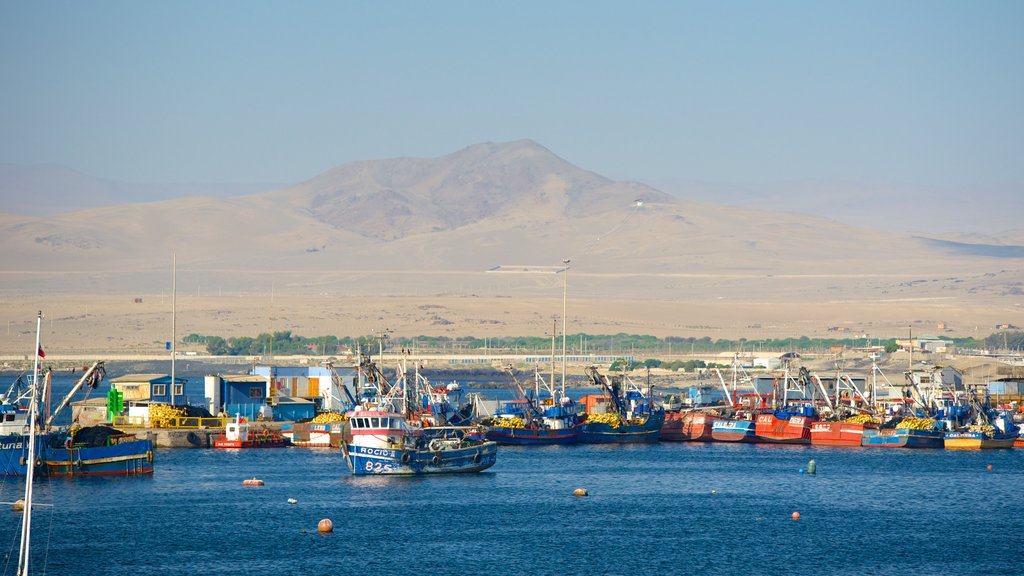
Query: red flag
{"x": 41, "y": 353}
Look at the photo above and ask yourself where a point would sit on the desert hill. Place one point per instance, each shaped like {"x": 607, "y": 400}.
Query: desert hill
{"x": 428, "y": 230}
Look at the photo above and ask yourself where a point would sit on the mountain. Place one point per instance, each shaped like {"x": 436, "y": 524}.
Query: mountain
{"x": 424, "y": 224}
{"x": 45, "y": 190}
{"x": 407, "y": 196}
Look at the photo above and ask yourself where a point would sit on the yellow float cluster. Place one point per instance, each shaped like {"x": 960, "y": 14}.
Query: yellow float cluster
{"x": 163, "y": 415}
{"x": 607, "y": 418}
{"x": 328, "y": 418}
{"x": 508, "y": 422}
{"x": 986, "y": 429}
{"x": 862, "y": 419}
{"x": 912, "y": 423}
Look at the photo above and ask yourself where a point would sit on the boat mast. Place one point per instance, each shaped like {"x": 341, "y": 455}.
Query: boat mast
{"x": 30, "y": 460}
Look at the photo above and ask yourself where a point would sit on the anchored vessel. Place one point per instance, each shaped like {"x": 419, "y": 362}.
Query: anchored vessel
{"x": 385, "y": 436}
{"x": 239, "y": 434}
{"x": 532, "y": 419}
{"x": 632, "y": 416}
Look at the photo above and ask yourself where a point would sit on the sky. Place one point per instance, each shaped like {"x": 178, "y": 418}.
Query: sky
{"x": 908, "y": 92}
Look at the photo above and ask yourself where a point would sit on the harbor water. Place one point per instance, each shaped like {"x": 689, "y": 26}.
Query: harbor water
{"x": 663, "y": 508}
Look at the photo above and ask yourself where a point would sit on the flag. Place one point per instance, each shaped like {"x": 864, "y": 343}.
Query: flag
{"x": 41, "y": 353}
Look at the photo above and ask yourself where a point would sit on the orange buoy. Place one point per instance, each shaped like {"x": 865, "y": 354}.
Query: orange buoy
{"x": 579, "y": 492}
{"x": 325, "y": 526}
{"x": 254, "y": 481}
{"x": 796, "y": 515}
{"x": 989, "y": 466}
{"x": 18, "y": 505}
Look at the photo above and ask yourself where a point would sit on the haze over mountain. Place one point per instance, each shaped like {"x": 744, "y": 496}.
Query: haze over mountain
{"x": 477, "y": 234}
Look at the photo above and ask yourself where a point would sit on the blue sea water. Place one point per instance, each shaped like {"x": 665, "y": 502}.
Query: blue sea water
{"x": 665, "y": 508}
{"x": 652, "y": 509}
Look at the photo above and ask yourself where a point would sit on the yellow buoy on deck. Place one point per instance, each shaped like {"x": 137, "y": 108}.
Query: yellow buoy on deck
{"x": 325, "y": 526}
{"x": 579, "y": 492}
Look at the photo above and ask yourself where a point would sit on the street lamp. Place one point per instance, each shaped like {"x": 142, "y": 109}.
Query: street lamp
{"x": 565, "y": 291}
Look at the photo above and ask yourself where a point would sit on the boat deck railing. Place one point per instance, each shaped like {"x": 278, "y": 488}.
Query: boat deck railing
{"x": 179, "y": 422}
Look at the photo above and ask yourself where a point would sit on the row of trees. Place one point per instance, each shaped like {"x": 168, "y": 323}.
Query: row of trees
{"x": 622, "y": 344}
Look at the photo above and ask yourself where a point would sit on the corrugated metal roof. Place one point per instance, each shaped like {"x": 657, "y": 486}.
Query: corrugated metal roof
{"x": 243, "y": 378}
{"x": 139, "y": 378}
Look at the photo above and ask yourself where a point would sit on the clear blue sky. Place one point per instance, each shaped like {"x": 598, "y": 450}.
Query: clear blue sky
{"x": 924, "y": 93}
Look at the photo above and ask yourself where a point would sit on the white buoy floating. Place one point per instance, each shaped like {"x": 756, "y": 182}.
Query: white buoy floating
{"x": 292, "y": 501}
{"x": 812, "y": 467}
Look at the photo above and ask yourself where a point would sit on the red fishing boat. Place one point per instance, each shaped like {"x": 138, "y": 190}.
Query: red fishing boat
{"x": 688, "y": 426}
{"x": 784, "y": 427}
{"x": 840, "y": 433}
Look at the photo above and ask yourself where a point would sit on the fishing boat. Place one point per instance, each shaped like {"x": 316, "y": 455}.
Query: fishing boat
{"x": 790, "y": 419}
{"x": 14, "y": 424}
{"x": 98, "y": 451}
{"x": 381, "y": 441}
{"x": 240, "y": 434}
{"x": 380, "y": 437}
{"x": 990, "y": 428}
{"x": 534, "y": 419}
{"x": 851, "y": 412}
{"x": 94, "y": 450}
{"x": 690, "y": 416}
{"x": 631, "y": 417}
{"x": 785, "y": 426}
{"x": 689, "y": 425}
{"x": 737, "y": 429}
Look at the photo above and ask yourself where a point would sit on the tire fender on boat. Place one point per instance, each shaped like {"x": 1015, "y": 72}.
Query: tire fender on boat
{"x": 149, "y": 456}
{"x": 406, "y": 457}
{"x": 476, "y": 457}
{"x": 436, "y": 460}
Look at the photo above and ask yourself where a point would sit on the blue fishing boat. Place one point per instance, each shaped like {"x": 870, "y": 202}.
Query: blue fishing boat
{"x": 14, "y": 425}
{"x": 385, "y": 434}
{"x": 733, "y": 430}
{"x": 534, "y": 419}
{"x": 381, "y": 441}
{"x": 631, "y": 415}
{"x": 902, "y": 438}
{"x": 107, "y": 452}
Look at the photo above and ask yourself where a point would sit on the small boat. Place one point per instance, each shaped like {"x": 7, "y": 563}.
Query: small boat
{"x": 632, "y": 415}
{"x": 239, "y": 434}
